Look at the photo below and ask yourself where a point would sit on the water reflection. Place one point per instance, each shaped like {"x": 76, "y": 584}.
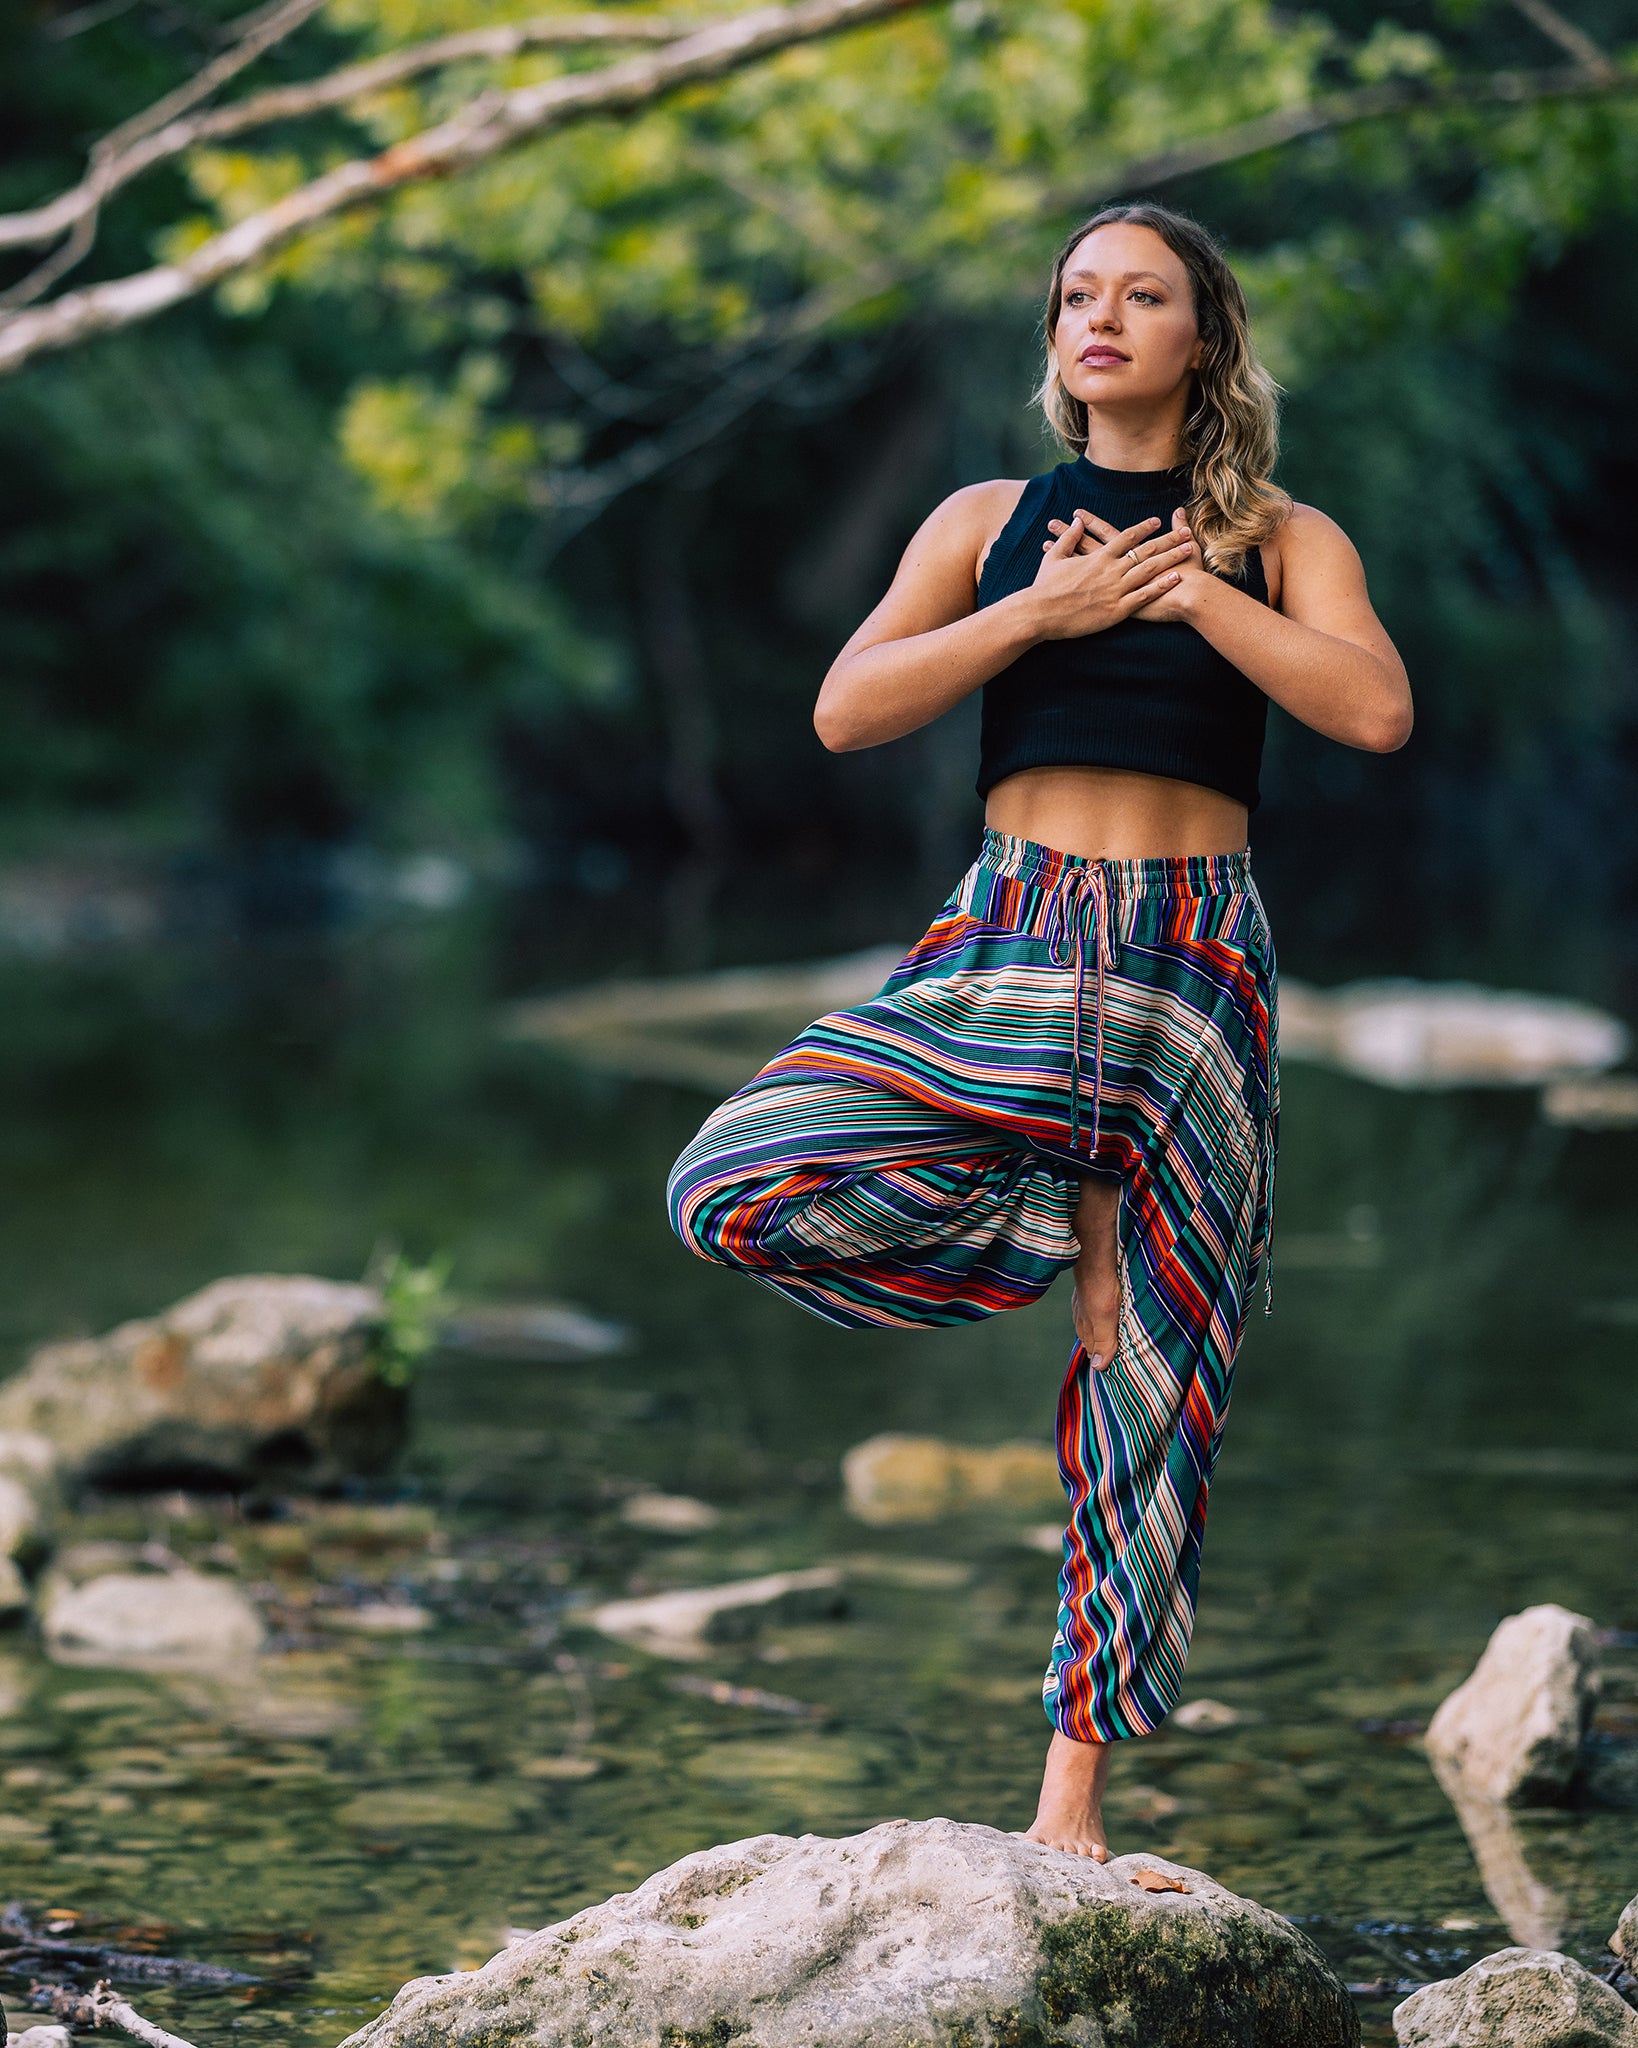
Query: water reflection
{"x": 1427, "y": 1435}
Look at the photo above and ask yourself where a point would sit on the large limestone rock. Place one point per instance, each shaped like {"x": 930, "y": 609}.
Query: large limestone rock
{"x": 148, "y": 1620}
{"x": 1513, "y": 1731}
{"x": 890, "y": 1478}
{"x": 1517, "y": 1998}
{"x": 910, "y": 1935}
{"x": 261, "y": 1374}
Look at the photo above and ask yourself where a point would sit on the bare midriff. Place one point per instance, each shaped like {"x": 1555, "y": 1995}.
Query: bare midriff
{"x": 1116, "y": 814}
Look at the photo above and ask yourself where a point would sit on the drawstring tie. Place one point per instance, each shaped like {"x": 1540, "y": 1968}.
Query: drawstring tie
{"x": 1081, "y": 898}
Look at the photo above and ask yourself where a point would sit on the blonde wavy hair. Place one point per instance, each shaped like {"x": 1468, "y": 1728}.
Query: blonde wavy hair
{"x": 1231, "y": 435}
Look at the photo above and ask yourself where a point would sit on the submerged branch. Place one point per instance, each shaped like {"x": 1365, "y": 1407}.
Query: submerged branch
{"x": 101, "y": 2007}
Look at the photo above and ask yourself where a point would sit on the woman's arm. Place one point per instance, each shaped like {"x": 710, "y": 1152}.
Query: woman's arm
{"x": 925, "y": 647}
{"x": 1324, "y": 655}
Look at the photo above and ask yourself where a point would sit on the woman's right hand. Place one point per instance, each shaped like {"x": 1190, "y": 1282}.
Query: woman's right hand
{"x": 1085, "y": 584}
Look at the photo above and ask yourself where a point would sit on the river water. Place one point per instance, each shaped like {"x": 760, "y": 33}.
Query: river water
{"x": 1438, "y": 1426}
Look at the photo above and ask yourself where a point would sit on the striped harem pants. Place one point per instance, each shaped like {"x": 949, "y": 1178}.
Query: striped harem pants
{"x": 916, "y": 1162}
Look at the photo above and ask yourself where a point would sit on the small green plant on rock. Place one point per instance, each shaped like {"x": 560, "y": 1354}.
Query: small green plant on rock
{"x": 414, "y": 1303}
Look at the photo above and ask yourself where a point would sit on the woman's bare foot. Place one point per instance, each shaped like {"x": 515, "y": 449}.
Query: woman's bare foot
{"x": 1095, "y": 1303}
{"x": 1070, "y": 1815}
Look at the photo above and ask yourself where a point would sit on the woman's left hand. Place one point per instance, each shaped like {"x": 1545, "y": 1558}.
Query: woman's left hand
{"x": 1173, "y": 606}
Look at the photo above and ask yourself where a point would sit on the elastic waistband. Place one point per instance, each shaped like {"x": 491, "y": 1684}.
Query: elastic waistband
{"x": 1041, "y": 867}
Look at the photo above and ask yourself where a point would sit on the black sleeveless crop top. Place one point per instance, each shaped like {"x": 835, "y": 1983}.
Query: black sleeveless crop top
{"x": 1158, "y": 698}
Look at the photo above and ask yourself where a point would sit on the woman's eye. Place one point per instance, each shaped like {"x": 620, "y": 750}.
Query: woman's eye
{"x": 1146, "y": 298}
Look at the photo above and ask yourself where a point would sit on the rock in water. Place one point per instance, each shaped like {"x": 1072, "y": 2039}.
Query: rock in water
{"x": 1624, "y": 1940}
{"x": 268, "y": 1373}
{"x": 1513, "y": 1731}
{"x": 912, "y": 1934}
{"x": 921, "y": 1478}
{"x": 1517, "y": 1998}
{"x": 149, "y": 1620}
{"x": 686, "y": 1622}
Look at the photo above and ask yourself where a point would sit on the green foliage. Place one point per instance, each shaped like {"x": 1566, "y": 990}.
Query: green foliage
{"x": 414, "y": 1302}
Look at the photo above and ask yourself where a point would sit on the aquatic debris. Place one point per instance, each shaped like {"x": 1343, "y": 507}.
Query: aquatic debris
{"x": 100, "y": 2007}
{"x": 918, "y": 1931}
{"x": 752, "y": 1697}
{"x": 1157, "y": 1881}
{"x": 669, "y": 1514}
{"x": 27, "y": 1941}
{"x": 537, "y": 1332}
{"x": 1605, "y": 1102}
{"x": 685, "y": 1623}
{"x": 643, "y": 1027}
{"x": 894, "y": 1478}
{"x": 1512, "y": 1732}
{"x": 1417, "y": 1034}
{"x": 1203, "y": 1717}
{"x": 148, "y": 1620}
{"x": 247, "y": 1377}
{"x": 1518, "y": 1998}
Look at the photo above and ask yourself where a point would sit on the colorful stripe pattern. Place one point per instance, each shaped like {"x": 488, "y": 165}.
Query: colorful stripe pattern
{"x": 915, "y": 1162}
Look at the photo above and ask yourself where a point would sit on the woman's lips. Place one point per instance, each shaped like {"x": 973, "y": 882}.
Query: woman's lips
{"x": 1103, "y": 355}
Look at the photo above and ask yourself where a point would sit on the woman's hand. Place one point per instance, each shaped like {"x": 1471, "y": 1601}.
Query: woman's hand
{"x": 1322, "y": 655}
{"x": 1170, "y": 600}
{"x": 1092, "y": 576}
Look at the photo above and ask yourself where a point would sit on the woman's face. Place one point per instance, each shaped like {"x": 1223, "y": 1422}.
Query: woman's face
{"x": 1126, "y": 332}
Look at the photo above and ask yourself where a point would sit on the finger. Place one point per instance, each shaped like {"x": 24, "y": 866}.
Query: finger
{"x": 1163, "y": 544}
{"x": 1134, "y": 600}
{"x": 1124, "y": 541}
{"x": 1087, "y": 545}
{"x": 1099, "y": 528}
{"x": 1144, "y": 570}
{"x": 1069, "y": 540}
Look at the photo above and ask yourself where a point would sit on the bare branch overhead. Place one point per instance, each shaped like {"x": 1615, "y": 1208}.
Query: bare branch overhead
{"x": 1558, "y": 28}
{"x": 139, "y": 144}
{"x": 486, "y": 125}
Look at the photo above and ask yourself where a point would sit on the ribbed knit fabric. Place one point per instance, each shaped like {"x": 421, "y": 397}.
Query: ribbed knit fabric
{"x": 1158, "y": 698}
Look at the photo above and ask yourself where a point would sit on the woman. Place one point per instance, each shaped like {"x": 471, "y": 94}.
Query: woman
{"x": 1077, "y": 1066}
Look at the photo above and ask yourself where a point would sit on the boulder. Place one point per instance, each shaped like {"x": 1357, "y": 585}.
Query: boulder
{"x": 1513, "y": 1731}
{"x": 41, "y": 2037}
{"x": 28, "y": 1492}
{"x": 1517, "y": 1998}
{"x": 669, "y": 1514}
{"x": 249, "y": 1377}
{"x": 685, "y": 1623}
{"x": 13, "y": 1591}
{"x": 149, "y": 1620}
{"x": 1624, "y": 1940}
{"x": 921, "y": 1478}
{"x": 909, "y": 1935}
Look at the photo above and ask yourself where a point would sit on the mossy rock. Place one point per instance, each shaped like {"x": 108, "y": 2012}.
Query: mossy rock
{"x": 926, "y": 1934}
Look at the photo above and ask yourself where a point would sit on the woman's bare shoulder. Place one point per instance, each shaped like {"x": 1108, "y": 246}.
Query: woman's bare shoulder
{"x": 1306, "y": 539}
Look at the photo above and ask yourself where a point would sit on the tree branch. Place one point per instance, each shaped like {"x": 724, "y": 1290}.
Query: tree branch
{"x": 1349, "y": 110}
{"x": 576, "y": 497}
{"x": 102, "y": 2007}
{"x": 1574, "y": 41}
{"x": 159, "y": 134}
{"x": 492, "y": 122}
